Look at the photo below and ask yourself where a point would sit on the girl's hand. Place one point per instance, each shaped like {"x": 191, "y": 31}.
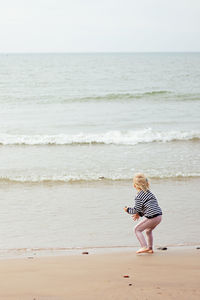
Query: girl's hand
{"x": 125, "y": 208}
{"x": 135, "y": 217}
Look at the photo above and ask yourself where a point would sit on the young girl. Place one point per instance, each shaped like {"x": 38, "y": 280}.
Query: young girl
{"x": 146, "y": 205}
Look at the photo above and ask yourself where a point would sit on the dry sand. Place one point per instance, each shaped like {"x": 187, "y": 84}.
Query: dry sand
{"x": 164, "y": 275}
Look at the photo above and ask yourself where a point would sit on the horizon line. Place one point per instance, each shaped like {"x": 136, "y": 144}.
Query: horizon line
{"x": 95, "y": 52}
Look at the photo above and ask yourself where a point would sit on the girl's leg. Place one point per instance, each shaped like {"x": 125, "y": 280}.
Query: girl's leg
{"x": 141, "y": 226}
{"x": 148, "y": 224}
{"x": 149, "y": 238}
{"x": 154, "y": 223}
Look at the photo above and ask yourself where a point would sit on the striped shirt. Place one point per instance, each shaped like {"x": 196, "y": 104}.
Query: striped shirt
{"x": 146, "y": 205}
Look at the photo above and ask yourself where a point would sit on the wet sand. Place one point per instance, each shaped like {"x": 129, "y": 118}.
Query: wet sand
{"x": 164, "y": 275}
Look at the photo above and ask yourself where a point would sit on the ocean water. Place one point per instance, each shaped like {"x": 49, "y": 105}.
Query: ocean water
{"x": 74, "y": 128}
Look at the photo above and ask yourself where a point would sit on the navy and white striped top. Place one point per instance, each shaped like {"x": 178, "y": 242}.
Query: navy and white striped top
{"x": 146, "y": 205}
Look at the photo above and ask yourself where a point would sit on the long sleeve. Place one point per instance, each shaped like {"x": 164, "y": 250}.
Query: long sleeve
{"x": 137, "y": 209}
{"x": 138, "y": 205}
{"x": 131, "y": 210}
{"x": 146, "y": 205}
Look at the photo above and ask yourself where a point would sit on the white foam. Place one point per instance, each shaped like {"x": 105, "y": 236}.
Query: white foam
{"x": 110, "y": 137}
{"x": 91, "y": 177}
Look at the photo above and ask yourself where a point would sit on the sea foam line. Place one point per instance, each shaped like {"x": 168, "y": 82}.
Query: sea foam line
{"x": 35, "y": 179}
{"x": 110, "y": 137}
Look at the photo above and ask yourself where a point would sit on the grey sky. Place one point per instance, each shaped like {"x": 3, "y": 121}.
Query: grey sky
{"x": 99, "y": 25}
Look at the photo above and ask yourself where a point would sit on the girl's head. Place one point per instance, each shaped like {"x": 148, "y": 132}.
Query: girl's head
{"x": 140, "y": 182}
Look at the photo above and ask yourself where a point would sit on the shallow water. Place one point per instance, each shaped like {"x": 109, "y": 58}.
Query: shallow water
{"x": 80, "y": 215}
{"x": 74, "y": 128}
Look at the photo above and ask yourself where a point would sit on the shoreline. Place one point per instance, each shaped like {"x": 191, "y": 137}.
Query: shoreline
{"x": 123, "y": 275}
{"x": 50, "y": 252}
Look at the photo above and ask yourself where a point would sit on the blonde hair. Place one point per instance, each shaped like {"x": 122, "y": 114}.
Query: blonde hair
{"x": 141, "y": 182}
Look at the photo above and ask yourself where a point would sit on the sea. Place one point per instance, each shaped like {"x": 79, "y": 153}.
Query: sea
{"x": 76, "y": 127}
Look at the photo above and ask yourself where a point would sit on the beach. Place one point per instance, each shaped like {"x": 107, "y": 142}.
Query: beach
{"x": 170, "y": 274}
{"x": 74, "y": 129}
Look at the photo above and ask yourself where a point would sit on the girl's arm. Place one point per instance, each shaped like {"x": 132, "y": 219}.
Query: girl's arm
{"x": 136, "y": 216}
{"x": 137, "y": 209}
{"x": 129, "y": 210}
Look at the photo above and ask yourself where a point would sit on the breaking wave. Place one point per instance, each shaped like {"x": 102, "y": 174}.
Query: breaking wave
{"x": 111, "y": 137}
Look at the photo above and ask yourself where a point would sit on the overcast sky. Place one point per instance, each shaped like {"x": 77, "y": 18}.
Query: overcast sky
{"x": 99, "y": 25}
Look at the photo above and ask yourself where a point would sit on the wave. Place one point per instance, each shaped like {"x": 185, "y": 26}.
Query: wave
{"x": 103, "y": 97}
{"x": 154, "y": 95}
{"x": 189, "y": 97}
{"x": 124, "y": 96}
{"x": 56, "y": 179}
{"x": 111, "y": 137}
{"x": 129, "y": 96}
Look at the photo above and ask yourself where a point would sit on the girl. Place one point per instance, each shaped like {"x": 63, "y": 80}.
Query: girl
{"x": 146, "y": 205}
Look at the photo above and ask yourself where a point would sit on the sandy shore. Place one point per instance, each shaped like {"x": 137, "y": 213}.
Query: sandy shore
{"x": 163, "y": 275}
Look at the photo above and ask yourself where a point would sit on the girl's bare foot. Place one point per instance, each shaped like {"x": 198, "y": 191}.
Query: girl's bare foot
{"x": 144, "y": 250}
{"x": 150, "y": 251}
